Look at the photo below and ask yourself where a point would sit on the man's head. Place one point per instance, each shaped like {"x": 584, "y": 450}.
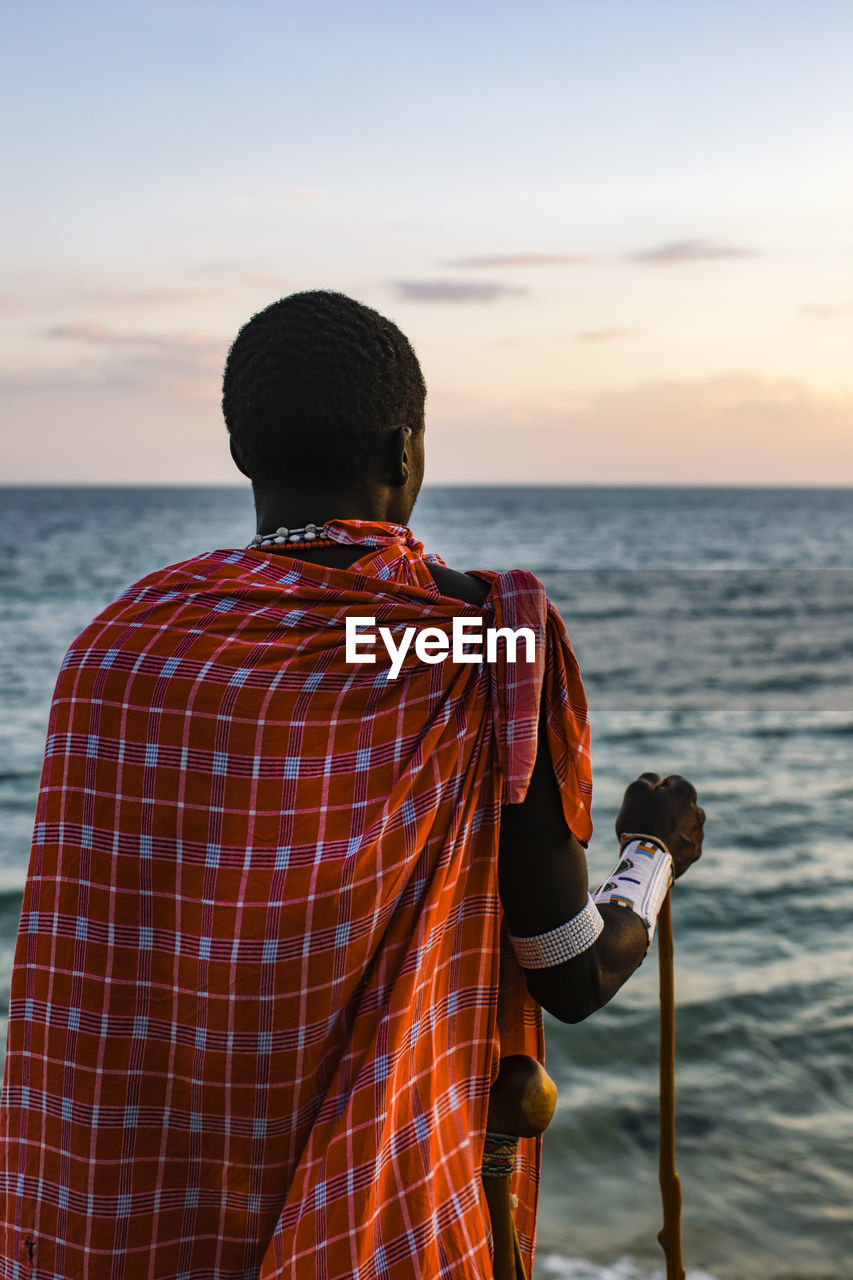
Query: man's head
{"x": 316, "y": 389}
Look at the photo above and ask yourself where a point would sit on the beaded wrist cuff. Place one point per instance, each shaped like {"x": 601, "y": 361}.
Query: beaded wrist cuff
{"x": 640, "y": 880}
{"x": 563, "y": 943}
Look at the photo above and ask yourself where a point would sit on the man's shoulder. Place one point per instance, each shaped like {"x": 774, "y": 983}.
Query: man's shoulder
{"x": 211, "y": 576}
{"x": 459, "y": 586}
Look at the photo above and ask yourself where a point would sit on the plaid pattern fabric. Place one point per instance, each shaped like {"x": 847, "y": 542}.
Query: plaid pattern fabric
{"x": 259, "y": 994}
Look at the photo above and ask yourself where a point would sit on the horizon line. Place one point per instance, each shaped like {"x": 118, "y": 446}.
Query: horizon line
{"x": 451, "y": 484}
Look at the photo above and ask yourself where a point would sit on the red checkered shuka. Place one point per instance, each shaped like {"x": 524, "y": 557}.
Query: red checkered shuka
{"x": 255, "y": 1001}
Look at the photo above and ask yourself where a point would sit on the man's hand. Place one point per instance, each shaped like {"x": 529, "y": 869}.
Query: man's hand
{"x": 667, "y": 808}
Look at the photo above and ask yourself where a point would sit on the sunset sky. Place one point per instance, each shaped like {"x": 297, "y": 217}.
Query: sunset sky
{"x": 619, "y": 234}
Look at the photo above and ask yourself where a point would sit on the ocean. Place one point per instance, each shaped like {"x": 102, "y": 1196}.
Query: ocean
{"x": 714, "y": 630}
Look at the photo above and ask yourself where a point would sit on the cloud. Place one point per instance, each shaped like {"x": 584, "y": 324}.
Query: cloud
{"x": 123, "y": 426}
{"x": 185, "y": 365}
{"x": 604, "y": 335}
{"x": 92, "y": 332}
{"x": 265, "y": 280}
{"x": 676, "y": 252}
{"x": 307, "y": 194}
{"x": 829, "y": 311}
{"x": 513, "y": 260}
{"x": 454, "y": 291}
{"x": 733, "y": 429}
{"x": 670, "y": 253}
{"x": 227, "y": 276}
{"x": 37, "y": 293}
{"x": 107, "y": 404}
{"x": 264, "y": 199}
{"x": 123, "y": 296}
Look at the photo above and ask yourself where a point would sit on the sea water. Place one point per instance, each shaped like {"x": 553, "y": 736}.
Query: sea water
{"x": 714, "y": 630}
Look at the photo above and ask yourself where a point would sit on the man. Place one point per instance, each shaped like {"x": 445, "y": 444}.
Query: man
{"x": 261, "y": 988}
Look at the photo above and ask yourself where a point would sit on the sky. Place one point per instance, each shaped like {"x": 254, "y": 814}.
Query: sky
{"x": 618, "y": 234}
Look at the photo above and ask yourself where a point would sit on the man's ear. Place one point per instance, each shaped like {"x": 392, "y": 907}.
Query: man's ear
{"x": 400, "y": 459}
{"x": 235, "y": 454}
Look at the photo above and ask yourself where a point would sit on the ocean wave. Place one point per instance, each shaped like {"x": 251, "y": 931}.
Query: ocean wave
{"x": 562, "y": 1268}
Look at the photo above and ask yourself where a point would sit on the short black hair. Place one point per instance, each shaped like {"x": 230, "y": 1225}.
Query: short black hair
{"x": 312, "y": 380}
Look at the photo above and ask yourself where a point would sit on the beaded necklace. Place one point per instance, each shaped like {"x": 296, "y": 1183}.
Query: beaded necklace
{"x": 311, "y": 535}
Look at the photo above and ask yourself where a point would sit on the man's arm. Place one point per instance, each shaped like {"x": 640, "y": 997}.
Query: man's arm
{"x": 542, "y": 868}
{"x": 544, "y": 882}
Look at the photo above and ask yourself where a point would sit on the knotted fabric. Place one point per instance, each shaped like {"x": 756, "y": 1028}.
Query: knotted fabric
{"x": 259, "y": 992}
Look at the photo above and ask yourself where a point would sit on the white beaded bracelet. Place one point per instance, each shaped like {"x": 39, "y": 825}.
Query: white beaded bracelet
{"x": 640, "y": 880}
{"x": 563, "y": 943}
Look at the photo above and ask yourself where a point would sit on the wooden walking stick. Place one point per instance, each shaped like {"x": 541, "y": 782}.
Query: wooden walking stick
{"x": 521, "y": 1104}
{"x": 670, "y": 1184}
